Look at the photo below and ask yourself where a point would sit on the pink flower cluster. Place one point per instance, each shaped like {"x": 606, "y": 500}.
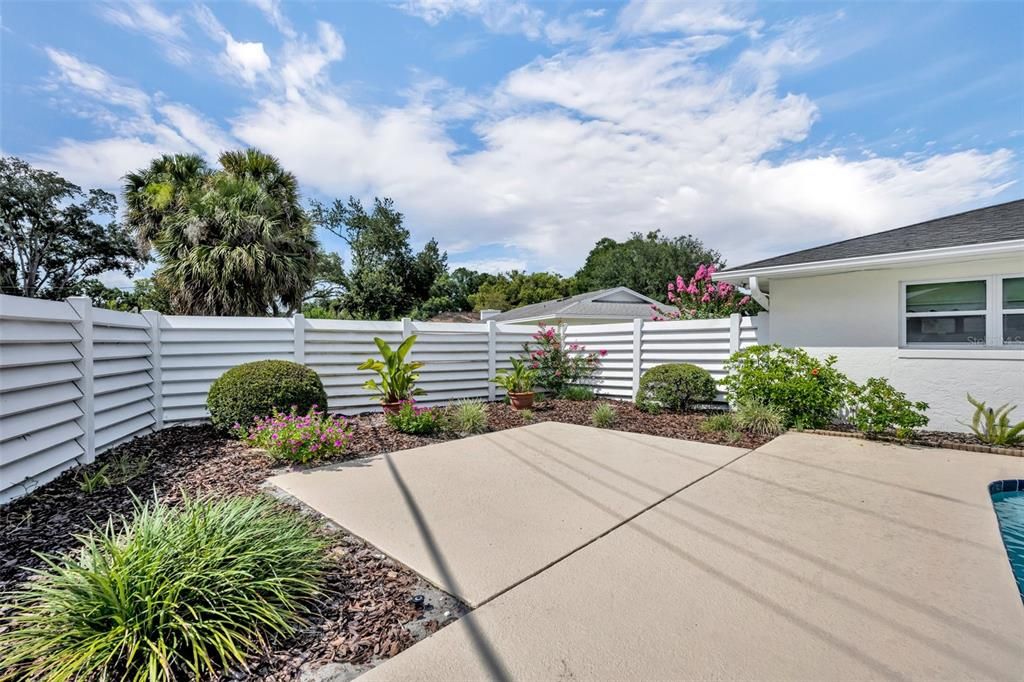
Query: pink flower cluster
{"x": 701, "y": 297}
{"x": 298, "y": 438}
{"x": 560, "y": 363}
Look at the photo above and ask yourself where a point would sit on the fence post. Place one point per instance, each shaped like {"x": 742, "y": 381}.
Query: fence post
{"x": 734, "y": 332}
{"x": 638, "y": 339}
{"x": 492, "y": 358}
{"x": 82, "y": 306}
{"x": 156, "y": 371}
{"x": 299, "y": 329}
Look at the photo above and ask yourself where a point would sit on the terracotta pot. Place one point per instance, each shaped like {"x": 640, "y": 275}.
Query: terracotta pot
{"x": 392, "y": 408}
{"x": 521, "y": 401}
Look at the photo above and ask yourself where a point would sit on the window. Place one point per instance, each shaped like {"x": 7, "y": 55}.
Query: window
{"x": 986, "y": 311}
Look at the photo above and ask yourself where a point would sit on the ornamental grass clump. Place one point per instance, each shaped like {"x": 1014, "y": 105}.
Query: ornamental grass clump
{"x": 467, "y": 417}
{"x": 298, "y": 438}
{"x": 604, "y": 416}
{"x": 174, "y": 593}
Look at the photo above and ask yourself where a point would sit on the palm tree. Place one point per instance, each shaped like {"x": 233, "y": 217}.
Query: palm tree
{"x": 233, "y": 241}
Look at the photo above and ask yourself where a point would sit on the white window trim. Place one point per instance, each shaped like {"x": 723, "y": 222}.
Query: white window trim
{"x": 993, "y": 314}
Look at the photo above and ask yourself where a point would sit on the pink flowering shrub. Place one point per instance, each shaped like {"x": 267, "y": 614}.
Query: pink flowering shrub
{"x": 418, "y": 421}
{"x": 560, "y": 364}
{"x": 298, "y": 438}
{"x": 700, "y": 298}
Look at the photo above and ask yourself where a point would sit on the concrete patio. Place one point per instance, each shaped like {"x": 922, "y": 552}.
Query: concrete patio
{"x": 605, "y": 555}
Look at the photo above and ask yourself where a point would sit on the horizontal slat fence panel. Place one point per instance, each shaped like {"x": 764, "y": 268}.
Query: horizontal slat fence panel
{"x": 76, "y": 380}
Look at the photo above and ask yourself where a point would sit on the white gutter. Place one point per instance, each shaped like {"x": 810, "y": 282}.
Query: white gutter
{"x": 877, "y": 261}
{"x": 757, "y": 294}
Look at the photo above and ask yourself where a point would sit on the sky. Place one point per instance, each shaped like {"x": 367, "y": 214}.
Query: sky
{"x": 520, "y": 133}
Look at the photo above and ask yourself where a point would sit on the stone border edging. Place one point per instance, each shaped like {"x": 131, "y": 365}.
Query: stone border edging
{"x": 947, "y": 444}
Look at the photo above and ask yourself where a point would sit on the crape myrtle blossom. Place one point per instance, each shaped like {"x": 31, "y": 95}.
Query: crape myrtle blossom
{"x": 559, "y": 363}
{"x": 699, "y": 297}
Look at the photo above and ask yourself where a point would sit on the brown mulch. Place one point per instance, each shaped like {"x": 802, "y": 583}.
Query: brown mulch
{"x": 630, "y": 418}
{"x": 367, "y": 612}
{"x": 950, "y": 440}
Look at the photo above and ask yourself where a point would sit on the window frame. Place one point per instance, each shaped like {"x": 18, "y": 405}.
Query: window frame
{"x": 993, "y": 313}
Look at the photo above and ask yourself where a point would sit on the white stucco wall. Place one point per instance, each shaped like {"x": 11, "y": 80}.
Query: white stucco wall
{"x": 855, "y": 316}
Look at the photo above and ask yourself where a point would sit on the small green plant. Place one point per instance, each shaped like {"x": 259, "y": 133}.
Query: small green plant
{"x": 721, "y": 422}
{"x": 992, "y": 426}
{"x": 292, "y": 437}
{"x": 519, "y": 379}
{"x": 255, "y": 389}
{"x": 675, "y": 387}
{"x": 397, "y": 377}
{"x": 180, "y": 592}
{"x": 809, "y": 391}
{"x": 879, "y": 408}
{"x": 526, "y": 414}
{"x": 760, "y": 419}
{"x": 125, "y": 467}
{"x": 468, "y": 417}
{"x": 604, "y": 416}
{"x": 573, "y": 392}
{"x": 91, "y": 479}
{"x": 416, "y": 421}
{"x": 733, "y": 436}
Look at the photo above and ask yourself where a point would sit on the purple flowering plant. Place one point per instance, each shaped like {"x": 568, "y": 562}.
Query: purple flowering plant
{"x": 298, "y": 438}
{"x": 413, "y": 419}
{"x": 701, "y": 298}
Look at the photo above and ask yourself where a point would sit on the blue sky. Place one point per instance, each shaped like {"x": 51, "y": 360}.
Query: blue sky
{"x": 520, "y": 133}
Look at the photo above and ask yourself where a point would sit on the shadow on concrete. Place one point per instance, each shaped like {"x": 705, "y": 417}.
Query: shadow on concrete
{"x": 483, "y": 647}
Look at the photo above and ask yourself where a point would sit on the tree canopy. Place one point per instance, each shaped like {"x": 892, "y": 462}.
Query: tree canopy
{"x": 52, "y": 241}
{"x": 231, "y": 241}
{"x": 515, "y": 289}
{"x": 644, "y": 263}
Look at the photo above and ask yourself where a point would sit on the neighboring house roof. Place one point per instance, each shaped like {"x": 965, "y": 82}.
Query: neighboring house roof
{"x": 1001, "y": 225}
{"x": 453, "y": 316}
{"x": 617, "y": 302}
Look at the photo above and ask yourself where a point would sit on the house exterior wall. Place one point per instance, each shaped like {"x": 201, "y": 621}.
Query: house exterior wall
{"x": 856, "y": 316}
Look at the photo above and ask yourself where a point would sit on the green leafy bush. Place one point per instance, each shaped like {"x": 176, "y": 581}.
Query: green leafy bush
{"x": 416, "y": 421}
{"x": 993, "y": 426}
{"x": 604, "y": 416}
{"x": 256, "y": 389}
{"x": 760, "y": 419}
{"x": 809, "y": 391}
{"x": 879, "y": 408}
{"x": 675, "y": 387}
{"x": 519, "y": 379}
{"x": 721, "y": 422}
{"x": 397, "y": 377}
{"x": 298, "y": 438}
{"x": 174, "y": 593}
{"x": 468, "y": 417}
{"x": 577, "y": 393}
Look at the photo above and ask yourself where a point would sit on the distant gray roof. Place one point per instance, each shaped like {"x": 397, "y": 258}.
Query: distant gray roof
{"x": 998, "y": 223}
{"x": 583, "y": 305}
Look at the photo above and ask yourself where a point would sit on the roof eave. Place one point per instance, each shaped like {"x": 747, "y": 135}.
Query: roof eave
{"x": 879, "y": 261}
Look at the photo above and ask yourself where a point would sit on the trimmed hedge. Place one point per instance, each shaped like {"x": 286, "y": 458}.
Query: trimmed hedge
{"x": 675, "y": 387}
{"x": 255, "y": 389}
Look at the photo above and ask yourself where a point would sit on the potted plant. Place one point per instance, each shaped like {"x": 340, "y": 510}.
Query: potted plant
{"x": 397, "y": 383}
{"x": 518, "y": 383}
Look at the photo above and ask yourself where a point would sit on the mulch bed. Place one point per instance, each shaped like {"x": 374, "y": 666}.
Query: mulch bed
{"x": 367, "y": 613}
{"x": 950, "y": 440}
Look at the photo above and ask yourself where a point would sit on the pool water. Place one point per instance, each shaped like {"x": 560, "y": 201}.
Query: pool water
{"x": 1009, "y": 505}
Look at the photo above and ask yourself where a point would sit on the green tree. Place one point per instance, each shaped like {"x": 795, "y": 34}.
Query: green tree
{"x": 515, "y": 289}
{"x": 644, "y": 263}
{"x": 146, "y": 293}
{"x": 231, "y": 241}
{"x": 385, "y": 280}
{"x": 52, "y": 244}
{"x": 451, "y": 292}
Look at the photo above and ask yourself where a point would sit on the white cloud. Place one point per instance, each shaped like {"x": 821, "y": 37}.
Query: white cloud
{"x": 500, "y": 16}
{"x": 492, "y": 265}
{"x": 272, "y": 11}
{"x": 685, "y": 16}
{"x": 143, "y": 17}
{"x": 249, "y": 59}
{"x": 93, "y": 81}
{"x": 304, "y": 62}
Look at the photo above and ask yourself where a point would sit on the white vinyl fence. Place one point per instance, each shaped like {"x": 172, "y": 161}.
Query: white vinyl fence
{"x": 76, "y": 380}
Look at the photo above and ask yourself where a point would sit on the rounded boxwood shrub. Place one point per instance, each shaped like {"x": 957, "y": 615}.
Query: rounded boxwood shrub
{"x": 810, "y": 392}
{"x": 255, "y": 389}
{"x": 176, "y": 592}
{"x": 675, "y": 387}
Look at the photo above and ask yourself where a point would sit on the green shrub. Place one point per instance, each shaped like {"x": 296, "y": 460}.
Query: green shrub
{"x": 256, "y": 389}
{"x": 397, "y": 377}
{"x": 993, "y": 426}
{"x": 174, "y": 593}
{"x": 299, "y": 438}
{"x": 468, "y": 417}
{"x": 519, "y": 379}
{"x": 760, "y": 419}
{"x": 721, "y": 422}
{"x": 675, "y": 387}
{"x": 878, "y": 408}
{"x": 604, "y": 416}
{"x": 809, "y": 391}
{"x": 573, "y": 392}
{"x": 527, "y": 415}
{"x": 416, "y": 421}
